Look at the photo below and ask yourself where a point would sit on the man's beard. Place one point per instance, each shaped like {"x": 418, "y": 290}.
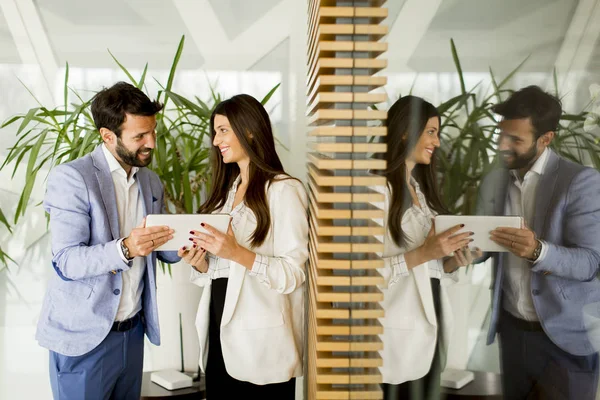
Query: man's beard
{"x": 520, "y": 161}
{"x": 131, "y": 157}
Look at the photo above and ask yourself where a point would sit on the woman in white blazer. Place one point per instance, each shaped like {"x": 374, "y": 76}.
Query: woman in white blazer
{"x": 250, "y": 318}
{"x": 416, "y": 260}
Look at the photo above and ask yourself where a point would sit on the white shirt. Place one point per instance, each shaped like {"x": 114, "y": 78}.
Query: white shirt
{"x": 131, "y": 213}
{"x": 219, "y": 267}
{"x": 422, "y": 215}
{"x": 517, "y": 271}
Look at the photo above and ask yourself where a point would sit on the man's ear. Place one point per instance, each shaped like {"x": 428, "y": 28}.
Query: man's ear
{"x": 547, "y": 138}
{"x": 108, "y": 136}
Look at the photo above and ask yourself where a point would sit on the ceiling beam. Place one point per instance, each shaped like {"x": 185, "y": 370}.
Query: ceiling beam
{"x": 32, "y": 42}
{"x": 241, "y": 53}
{"x": 406, "y": 33}
{"x": 577, "y": 49}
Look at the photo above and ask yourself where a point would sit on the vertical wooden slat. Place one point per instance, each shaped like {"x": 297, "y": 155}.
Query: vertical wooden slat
{"x": 345, "y": 59}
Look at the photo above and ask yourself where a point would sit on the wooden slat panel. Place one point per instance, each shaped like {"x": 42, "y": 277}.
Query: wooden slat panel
{"x": 316, "y": 83}
{"x": 377, "y": 14}
{"x": 375, "y": 32}
{"x": 330, "y": 147}
{"x": 343, "y": 278}
{"x": 374, "y": 81}
{"x": 348, "y": 131}
{"x": 326, "y": 178}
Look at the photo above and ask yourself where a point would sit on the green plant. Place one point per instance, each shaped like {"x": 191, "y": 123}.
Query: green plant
{"x": 49, "y": 137}
{"x": 468, "y": 150}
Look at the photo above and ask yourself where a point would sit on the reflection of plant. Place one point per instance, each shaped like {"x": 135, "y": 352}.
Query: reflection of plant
{"x": 592, "y": 121}
{"x": 4, "y": 258}
{"x": 49, "y": 137}
{"x": 468, "y": 150}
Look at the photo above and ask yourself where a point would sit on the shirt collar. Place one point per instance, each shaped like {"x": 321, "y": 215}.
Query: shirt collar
{"x": 114, "y": 165}
{"x": 538, "y": 167}
{"x": 236, "y": 183}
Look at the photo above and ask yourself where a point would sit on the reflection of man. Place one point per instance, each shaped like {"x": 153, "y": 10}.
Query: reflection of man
{"x": 103, "y": 296}
{"x": 550, "y": 271}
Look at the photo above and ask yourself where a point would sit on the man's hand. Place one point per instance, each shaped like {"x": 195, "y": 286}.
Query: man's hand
{"x": 521, "y": 242}
{"x": 143, "y": 241}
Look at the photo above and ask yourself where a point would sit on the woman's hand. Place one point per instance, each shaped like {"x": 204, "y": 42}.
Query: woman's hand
{"x": 446, "y": 243}
{"x": 223, "y": 245}
{"x": 462, "y": 257}
{"x": 220, "y": 244}
{"x": 194, "y": 256}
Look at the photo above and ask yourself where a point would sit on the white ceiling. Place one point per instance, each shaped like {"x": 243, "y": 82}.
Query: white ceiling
{"x": 500, "y": 33}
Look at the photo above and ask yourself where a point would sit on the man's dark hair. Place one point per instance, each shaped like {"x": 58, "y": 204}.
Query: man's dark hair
{"x": 110, "y": 105}
{"x": 543, "y": 109}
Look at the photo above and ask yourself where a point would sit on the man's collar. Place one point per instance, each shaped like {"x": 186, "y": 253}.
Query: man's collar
{"x": 538, "y": 167}
{"x": 113, "y": 163}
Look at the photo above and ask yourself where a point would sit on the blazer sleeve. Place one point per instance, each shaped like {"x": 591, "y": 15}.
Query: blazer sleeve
{"x": 67, "y": 203}
{"x": 284, "y": 272}
{"x": 579, "y": 258}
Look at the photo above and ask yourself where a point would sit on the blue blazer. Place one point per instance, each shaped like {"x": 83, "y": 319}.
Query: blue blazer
{"x": 82, "y": 298}
{"x": 567, "y": 218}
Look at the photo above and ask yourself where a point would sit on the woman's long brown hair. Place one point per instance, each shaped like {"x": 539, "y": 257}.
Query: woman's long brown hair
{"x": 406, "y": 121}
{"x": 251, "y": 124}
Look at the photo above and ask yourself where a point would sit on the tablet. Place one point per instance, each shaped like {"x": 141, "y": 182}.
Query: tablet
{"x": 480, "y": 225}
{"x": 182, "y": 224}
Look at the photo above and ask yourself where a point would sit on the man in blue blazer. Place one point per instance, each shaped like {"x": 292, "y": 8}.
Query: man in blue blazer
{"x": 103, "y": 296}
{"x": 550, "y": 271}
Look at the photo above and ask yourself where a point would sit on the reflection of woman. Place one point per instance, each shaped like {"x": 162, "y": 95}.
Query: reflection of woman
{"x": 415, "y": 258}
{"x": 250, "y": 316}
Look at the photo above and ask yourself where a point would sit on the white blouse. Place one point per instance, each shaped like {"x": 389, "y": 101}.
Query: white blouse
{"x": 219, "y": 267}
{"x": 288, "y": 204}
{"x": 416, "y": 223}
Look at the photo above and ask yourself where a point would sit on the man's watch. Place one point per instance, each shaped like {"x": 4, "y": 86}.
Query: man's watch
{"x": 125, "y": 251}
{"x": 536, "y": 252}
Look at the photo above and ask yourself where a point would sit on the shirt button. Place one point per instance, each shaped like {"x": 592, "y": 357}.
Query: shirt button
{"x": 535, "y": 292}
{"x": 116, "y": 292}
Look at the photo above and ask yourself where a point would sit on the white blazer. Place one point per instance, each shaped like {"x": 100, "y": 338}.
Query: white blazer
{"x": 410, "y": 328}
{"x": 263, "y": 325}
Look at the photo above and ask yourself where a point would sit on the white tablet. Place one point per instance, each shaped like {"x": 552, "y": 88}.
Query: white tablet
{"x": 480, "y": 225}
{"x": 182, "y": 224}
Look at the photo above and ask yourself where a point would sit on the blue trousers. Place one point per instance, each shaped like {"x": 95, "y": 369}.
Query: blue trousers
{"x": 113, "y": 370}
{"x": 534, "y": 367}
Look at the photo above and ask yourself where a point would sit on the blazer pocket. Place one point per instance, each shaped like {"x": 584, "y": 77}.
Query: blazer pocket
{"x": 75, "y": 289}
{"x": 262, "y": 321}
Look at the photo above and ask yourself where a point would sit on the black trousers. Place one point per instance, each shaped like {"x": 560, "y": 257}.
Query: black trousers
{"x": 427, "y": 387}
{"x": 533, "y": 367}
{"x": 219, "y": 384}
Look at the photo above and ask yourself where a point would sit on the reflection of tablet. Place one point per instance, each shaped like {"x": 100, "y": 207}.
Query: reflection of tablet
{"x": 480, "y": 225}
{"x": 182, "y": 224}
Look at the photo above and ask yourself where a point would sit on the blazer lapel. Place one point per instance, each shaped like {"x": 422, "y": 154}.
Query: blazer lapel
{"x": 237, "y": 273}
{"x": 145, "y": 190}
{"x": 544, "y": 193}
{"x": 107, "y": 190}
{"x": 501, "y": 195}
